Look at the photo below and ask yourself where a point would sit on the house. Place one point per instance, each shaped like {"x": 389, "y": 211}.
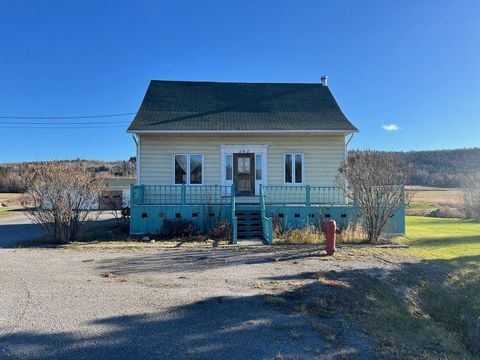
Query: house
{"x": 243, "y": 152}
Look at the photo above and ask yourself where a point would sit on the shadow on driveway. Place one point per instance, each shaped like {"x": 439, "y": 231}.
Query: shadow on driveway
{"x": 217, "y": 328}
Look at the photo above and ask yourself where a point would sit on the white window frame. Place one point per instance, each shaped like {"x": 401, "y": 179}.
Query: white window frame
{"x": 293, "y": 169}
{"x": 188, "y": 168}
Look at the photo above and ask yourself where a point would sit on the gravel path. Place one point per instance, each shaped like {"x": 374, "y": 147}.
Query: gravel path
{"x": 165, "y": 304}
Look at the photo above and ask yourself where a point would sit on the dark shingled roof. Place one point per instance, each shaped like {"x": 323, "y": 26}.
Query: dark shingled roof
{"x": 211, "y": 106}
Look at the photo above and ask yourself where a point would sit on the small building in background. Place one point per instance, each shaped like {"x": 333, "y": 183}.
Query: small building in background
{"x": 117, "y": 195}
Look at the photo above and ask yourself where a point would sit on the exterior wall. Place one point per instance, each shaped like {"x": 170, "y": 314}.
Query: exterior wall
{"x": 322, "y": 156}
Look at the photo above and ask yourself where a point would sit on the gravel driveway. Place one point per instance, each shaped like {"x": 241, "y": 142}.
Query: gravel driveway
{"x": 165, "y": 304}
{"x": 18, "y": 228}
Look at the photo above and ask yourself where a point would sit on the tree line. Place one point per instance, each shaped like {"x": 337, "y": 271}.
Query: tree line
{"x": 10, "y": 180}
{"x": 440, "y": 168}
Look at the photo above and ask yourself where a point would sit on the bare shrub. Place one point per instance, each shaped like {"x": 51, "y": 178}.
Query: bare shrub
{"x": 222, "y": 230}
{"x": 62, "y": 196}
{"x": 471, "y": 196}
{"x": 179, "y": 228}
{"x": 376, "y": 181}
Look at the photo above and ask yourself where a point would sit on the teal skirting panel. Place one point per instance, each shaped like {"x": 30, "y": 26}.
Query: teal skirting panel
{"x": 291, "y": 217}
{"x": 148, "y": 219}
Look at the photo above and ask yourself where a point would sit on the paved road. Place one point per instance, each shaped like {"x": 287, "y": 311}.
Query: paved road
{"x": 79, "y": 303}
{"x": 18, "y": 228}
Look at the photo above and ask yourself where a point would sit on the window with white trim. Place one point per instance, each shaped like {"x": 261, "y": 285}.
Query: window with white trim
{"x": 228, "y": 167}
{"x": 258, "y": 167}
{"x": 188, "y": 169}
{"x": 293, "y": 168}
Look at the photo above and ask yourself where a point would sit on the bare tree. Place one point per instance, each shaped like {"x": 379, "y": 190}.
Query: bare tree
{"x": 376, "y": 181}
{"x": 471, "y": 195}
{"x": 60, "y": 197}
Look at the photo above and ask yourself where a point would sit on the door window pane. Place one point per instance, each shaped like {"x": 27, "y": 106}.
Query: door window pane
{"x": 288, "y": 169}
{"x": 196, "y": 169}
{"x": 244, "y": 165}
{"x": 180, "y": 169}
{"x": 228, "y": 167}
{"x": 258, "y": 167}
{"x": 298, "y": 169}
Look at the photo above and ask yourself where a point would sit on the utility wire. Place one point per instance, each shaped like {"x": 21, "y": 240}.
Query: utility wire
{"x": 62, "y": 127}
{"x": 66, "y": 117}
{"x": 63, "y": 123}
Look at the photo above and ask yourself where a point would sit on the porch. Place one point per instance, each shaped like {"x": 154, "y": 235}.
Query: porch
{"x": 249, "y": 216}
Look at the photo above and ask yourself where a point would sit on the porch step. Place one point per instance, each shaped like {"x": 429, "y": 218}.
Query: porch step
{"x": 249, "y": 224}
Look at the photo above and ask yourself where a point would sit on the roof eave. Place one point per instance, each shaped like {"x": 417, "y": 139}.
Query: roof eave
{"x": 241, "y": 132}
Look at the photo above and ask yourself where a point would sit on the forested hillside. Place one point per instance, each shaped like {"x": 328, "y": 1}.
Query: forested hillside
{"x": 441, "y": 168}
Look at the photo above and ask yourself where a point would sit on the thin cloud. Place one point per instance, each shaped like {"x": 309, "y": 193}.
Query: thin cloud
{"x": 390, "y": 127}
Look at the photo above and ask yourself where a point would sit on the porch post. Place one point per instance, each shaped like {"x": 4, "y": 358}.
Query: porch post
{"x": 183, "y": 194}
{"x": 307, "y": 196}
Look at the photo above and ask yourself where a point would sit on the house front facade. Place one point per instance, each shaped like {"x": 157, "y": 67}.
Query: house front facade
{"x": 247, "y": 151}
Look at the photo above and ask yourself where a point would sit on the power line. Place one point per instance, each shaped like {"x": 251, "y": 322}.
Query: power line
{"x": 62, "y": 127}
{"x": 66, "y": 117}
{"x": 63, "y": 123}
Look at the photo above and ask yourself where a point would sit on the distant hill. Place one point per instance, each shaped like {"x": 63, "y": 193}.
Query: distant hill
{"x": 9, "y": 180}
{"x": 441, "y": 168}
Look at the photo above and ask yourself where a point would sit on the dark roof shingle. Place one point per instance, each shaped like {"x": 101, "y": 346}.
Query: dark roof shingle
{"x": 212, "y": 106}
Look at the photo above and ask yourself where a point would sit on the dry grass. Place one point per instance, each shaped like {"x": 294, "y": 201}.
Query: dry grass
{"x": 439, "y": 202}
{"x": 351, "y": 234}
{"x": 312, "y": 234}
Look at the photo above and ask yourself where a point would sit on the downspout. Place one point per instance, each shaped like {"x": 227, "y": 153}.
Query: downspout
{"x": 351, "y": 137}
{"x": 136, "y": 138}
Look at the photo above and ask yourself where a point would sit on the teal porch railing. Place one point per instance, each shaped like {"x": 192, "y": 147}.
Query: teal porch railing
{"x": 191, "y": 195}
{"x": 267, "y": 226}
{"x": 305, "y": 195}
{"x": 181, "y": 195}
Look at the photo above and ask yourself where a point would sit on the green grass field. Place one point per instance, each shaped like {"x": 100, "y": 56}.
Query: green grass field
{"x": 426, "y": 307}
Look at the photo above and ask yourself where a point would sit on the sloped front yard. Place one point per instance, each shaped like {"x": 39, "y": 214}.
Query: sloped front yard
{"x": 256, "y": 303}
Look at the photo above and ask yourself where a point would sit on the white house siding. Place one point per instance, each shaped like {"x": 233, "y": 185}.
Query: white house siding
{"x": 322, "y": 156}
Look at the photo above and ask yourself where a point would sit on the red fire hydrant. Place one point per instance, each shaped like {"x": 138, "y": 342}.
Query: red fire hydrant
{"x": 331, "y": 235}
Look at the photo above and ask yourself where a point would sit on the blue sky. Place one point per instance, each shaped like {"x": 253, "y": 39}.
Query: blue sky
{"x": 412, "y": 64}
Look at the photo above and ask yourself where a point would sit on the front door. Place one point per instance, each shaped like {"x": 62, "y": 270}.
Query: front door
{"x": 243, "y": 165}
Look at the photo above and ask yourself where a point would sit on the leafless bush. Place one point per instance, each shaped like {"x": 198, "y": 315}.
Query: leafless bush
{"x": 62, "y": 196}
{"x": 179, "y": 228}
{"x": 375, "y": 180}
{"x": 223, "y": 230}
{"x": 471, "y": 196}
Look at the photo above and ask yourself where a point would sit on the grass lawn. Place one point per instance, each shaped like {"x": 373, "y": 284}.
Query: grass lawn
{"x": 11, "y": 200}
{"x": 438, "y": 299}
{"x": 426, "y": 307}
{"x": 5, "y": 212}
